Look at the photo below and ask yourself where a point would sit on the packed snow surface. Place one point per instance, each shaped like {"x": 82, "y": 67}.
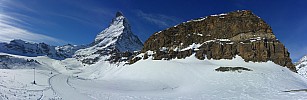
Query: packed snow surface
{"x": 177, "y": 79}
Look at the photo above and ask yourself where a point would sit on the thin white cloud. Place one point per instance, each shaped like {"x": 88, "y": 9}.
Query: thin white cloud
{"x": 13, "y": 4}
{"x": 10, "y": 28}
{"x": 158, "y": 19}
{"x": 10, "y": 31}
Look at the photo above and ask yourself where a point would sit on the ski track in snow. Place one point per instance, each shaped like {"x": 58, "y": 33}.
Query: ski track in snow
{"x": 188, "y": 79}
{"x": 59, "y": 84}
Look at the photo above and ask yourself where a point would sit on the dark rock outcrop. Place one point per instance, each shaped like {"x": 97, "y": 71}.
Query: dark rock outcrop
{"x": 221, "y": 37}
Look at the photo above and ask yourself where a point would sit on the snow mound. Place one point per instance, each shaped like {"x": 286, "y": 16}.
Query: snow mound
{"x": 190, "y": 78}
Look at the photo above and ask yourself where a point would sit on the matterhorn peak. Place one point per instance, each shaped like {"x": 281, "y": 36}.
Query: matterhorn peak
{"x": 117, "y": 27}
{"x": 118, "y": 34}
{"x": 119, "y": 13}
{"x": 118, "y": 37}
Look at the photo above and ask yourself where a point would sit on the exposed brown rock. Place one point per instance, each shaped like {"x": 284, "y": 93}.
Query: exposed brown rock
{"x": 221, "y": 37}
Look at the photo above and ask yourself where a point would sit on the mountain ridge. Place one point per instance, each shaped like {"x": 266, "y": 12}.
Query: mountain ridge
{"x": 24, "y": 48}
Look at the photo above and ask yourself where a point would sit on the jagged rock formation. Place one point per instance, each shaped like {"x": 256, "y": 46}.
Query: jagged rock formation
{"x": 221, "y": 37}
{"x": 112, "y": 44}
{"x": 301, "y": 66}
{"x": 20, "y": 47}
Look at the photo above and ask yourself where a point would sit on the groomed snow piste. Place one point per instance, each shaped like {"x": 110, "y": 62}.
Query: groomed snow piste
{"x": 189, "y": 78}
{"x": 178, "y": 79}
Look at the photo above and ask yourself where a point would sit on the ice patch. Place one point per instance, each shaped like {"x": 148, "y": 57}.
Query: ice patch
{"x": 192, "y": 46}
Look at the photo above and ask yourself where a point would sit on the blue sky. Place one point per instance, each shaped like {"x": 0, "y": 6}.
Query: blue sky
{"x": 58, "y": 22}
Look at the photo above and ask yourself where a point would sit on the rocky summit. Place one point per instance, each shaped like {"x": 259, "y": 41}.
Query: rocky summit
{"x": 220, "y": 36}
{"x": 116, "y": 43}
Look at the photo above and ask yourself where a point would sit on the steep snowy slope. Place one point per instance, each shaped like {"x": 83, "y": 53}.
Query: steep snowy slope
{"x": 117, "y": 38}
{"x": 301, "y": 66}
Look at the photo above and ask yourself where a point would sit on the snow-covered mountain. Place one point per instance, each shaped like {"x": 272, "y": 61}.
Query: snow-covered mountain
{"x": 23, "y": 48}
{"x": 69, "y": 50}
{"x": 201, "y": 66}
{"x": 117, "y": 38}
{"x": 301, "y": 66}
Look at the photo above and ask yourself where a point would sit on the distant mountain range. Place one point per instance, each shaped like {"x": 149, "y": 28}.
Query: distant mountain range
{"x": 20, "y": 47}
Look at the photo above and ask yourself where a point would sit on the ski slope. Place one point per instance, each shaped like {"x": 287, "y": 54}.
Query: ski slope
{"x": 178, "y": 79}
{"x": 191, "y": 79}
{"x": 59, "y": 83}
{"x": 18, "y": 84}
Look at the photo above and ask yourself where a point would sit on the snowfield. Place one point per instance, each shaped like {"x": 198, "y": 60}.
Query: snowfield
{"x": 178, "y": 79}
{"x": 17, "y": 85}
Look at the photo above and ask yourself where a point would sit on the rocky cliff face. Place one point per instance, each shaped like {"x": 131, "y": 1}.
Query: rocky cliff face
{"x": 221, "y": 36}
